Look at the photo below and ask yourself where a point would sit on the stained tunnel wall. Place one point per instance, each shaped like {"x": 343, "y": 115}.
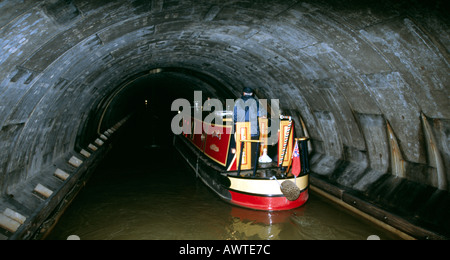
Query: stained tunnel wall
{"x": 368, "y": 79}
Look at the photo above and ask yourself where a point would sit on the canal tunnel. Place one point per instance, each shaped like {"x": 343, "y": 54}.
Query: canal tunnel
{"x": 366, "y": 81}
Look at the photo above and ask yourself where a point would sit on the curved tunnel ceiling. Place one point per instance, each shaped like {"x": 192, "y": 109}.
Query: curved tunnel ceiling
{"x": 363, "y": 76}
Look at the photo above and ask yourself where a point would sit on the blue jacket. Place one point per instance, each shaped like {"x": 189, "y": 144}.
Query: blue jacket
{"x": 246, "y": 109}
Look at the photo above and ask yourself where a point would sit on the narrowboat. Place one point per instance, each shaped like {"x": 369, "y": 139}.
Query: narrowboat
{"x": 221, "y": 156}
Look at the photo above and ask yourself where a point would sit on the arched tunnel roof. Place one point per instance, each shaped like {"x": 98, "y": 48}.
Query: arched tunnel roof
{"x": 366, "y": 77}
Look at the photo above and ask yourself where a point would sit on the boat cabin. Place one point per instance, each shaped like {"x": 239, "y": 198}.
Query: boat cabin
{"x": 229, "y": 145}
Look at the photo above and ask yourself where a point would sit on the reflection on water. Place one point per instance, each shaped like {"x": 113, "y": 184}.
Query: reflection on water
{"x": 151, "y": 194}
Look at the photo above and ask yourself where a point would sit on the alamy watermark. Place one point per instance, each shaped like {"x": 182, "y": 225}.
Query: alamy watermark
{"x": 239, "y": 110}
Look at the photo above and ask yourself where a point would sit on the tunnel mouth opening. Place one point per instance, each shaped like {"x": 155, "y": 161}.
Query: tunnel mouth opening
{"x": 148, "y": 96}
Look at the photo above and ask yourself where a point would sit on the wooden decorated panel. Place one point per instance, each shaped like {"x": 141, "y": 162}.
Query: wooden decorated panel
{"x": 217, "y": 143}
{"x": 264, "y": 133}
{"x": 286, "y": 131}
{"x": 243, "y": 133}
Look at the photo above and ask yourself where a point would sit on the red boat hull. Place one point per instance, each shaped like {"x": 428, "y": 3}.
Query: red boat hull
{"x": 273, "y": 203}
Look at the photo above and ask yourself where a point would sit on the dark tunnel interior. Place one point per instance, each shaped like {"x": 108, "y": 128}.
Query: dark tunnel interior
{"x": 367, "y": 81}
{"x": 151, "y": 93}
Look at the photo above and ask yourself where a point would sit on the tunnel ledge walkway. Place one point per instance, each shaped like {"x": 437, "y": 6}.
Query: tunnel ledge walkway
{"x": 30, "y": 211}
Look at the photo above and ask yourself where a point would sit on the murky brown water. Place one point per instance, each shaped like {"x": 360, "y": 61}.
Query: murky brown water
{"x": 143, "y": 194}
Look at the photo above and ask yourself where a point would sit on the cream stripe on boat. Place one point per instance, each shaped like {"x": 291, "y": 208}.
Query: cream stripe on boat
{"x": 264, "y": 186}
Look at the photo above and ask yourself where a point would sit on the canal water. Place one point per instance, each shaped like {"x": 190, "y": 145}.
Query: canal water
{"x": 143, "y": 192}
